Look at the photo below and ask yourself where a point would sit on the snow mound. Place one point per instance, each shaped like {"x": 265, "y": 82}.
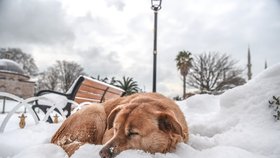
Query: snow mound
{"x": 14, "y": 141}
{"x": 236, "y": 124}
{"x": 243, "y": 121}
{"x": 42, "y": 151}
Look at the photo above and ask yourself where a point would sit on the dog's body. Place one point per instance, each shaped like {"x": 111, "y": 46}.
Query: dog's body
{"x": 146, "y": 121}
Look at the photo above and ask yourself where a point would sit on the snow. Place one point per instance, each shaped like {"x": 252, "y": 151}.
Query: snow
{"x": 7, "y": 65}
{"x": 236, "y": 124}
{"x": 53, "y": 151}
{"x": 52, "y": 98}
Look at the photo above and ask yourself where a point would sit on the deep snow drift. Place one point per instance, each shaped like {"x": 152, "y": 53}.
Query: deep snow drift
{"x": 237, "y": 124}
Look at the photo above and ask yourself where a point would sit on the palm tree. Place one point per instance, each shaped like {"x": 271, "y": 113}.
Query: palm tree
{"x": 105, "y": 80}
{"x": 184, "y": 63}
{"x": 128, "y": 85}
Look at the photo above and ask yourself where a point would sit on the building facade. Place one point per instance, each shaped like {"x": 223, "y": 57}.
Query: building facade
{"x": 13, "y": 79}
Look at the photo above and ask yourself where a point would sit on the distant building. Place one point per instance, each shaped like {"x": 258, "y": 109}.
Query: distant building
{"x": 265, "y": 64}
{"x": 249, "y": 65}
{"x": 13, "y": 79}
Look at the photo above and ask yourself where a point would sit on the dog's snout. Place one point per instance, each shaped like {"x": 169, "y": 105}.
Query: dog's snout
{"x": 105, "y": 152}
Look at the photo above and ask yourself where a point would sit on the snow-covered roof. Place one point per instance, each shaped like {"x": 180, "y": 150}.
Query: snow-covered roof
{"x": 10, "y": 66}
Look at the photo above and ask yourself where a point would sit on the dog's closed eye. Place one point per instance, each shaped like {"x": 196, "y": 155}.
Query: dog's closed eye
{"x": 131, "y": 134}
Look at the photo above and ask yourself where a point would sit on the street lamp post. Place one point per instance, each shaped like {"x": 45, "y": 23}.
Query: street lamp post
{"x": 156, "y": 6}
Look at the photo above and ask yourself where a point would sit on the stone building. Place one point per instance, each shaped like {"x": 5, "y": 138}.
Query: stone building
{"x": 13, "y": 79}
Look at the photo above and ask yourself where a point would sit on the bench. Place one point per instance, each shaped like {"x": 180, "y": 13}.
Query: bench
{"x": 84, "y": 89}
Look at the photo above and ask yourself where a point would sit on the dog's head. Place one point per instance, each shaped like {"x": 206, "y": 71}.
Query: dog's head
{"x": 143, "y": 127}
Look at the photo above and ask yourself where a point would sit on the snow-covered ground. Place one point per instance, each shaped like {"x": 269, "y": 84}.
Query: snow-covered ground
{"x": 237, "y": 124}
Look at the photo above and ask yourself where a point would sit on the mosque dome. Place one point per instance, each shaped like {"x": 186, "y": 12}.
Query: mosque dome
{"x": 7, "y": 65}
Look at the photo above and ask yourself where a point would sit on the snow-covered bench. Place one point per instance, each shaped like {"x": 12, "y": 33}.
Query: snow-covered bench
{"x": 84, "y": 89}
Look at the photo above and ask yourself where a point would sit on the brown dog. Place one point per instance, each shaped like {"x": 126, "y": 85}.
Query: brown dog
{"x": 145, "y": 121}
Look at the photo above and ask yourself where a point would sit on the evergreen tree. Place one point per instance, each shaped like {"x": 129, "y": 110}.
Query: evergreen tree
{"x": 184, "y": 63}
{"x": 128, "y": 85}
{"x": 275, "y": 104}
{"x": 106, "y": 80}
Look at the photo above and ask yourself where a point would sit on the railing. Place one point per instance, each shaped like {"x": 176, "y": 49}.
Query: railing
{"x": 27, "y": 103}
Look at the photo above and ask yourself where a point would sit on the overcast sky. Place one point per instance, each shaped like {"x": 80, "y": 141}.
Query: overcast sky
{"x": 115, "y": 37}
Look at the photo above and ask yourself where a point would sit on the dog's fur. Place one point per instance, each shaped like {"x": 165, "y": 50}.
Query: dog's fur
{"x": 146, "y": 121}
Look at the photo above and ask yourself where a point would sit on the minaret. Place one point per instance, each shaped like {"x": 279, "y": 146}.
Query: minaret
{"x": 249, "y": 65}
{"x": 265, "y": 64}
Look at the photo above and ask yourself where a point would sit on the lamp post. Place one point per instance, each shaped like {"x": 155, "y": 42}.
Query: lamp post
{"x": 156, "y": 6}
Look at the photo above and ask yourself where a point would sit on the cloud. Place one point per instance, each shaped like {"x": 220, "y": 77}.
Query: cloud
{"x": 115, "y": 37}
{"x": 34, "y": 21}
{"x": 98, "y": 62}
{"x": 119, "y": 4}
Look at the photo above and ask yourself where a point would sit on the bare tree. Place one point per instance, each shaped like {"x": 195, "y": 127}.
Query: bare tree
{"x": 68, "y": 72}
{"x": 214, "y": 73}
{"x": 60, "y": 76}
{"x": 24, "y": 59}
{"x": 48, "y": 79}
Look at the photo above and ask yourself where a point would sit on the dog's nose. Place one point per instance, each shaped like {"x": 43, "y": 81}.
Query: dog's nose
{"x": 105, "y": 153}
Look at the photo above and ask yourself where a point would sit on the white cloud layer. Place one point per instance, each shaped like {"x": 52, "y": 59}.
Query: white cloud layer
{"x": 114, "y": 37}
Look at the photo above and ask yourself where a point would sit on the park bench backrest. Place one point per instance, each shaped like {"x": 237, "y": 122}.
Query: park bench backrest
{"x": 91, "y": 90}
{"x": 84, "y": 89}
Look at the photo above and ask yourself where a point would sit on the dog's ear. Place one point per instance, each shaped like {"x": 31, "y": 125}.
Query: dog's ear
{"x": 111, "y": 117}
{"x": 168, "y": 123}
